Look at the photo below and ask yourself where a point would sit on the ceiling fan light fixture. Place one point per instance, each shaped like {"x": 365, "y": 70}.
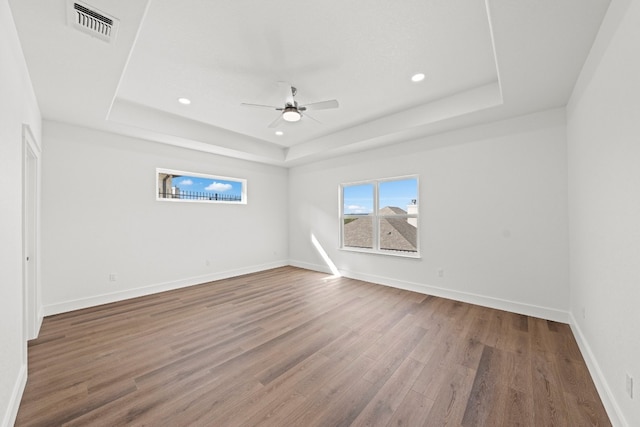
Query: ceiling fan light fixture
{"x": 291, "y": 114}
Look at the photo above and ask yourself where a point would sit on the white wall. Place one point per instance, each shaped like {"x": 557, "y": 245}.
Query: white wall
{"x": 100, "y": 216}
{"x": 603, "y": 128}
{"x": 17, "y": 107}
{"x": 493, "y": 214}
{"x": 493, "y": 203}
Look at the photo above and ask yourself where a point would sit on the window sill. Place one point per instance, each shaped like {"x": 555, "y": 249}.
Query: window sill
{"x": 176, "y": 200}
{"x": 398, "y": 254}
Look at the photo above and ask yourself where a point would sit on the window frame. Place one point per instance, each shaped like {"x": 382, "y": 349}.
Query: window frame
{"x": 243, "y": 194}
{"x": 376, "y": 217}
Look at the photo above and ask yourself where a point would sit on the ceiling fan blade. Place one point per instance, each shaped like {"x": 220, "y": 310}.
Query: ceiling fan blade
{"x": 276, "y": 122}
{"x": 244, "y": 104}
{"x": 323, "y": 105}
{"x": 309, "y": 117}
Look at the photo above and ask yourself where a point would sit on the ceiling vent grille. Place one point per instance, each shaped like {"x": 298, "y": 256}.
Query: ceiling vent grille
{"x": 92, "y": 21}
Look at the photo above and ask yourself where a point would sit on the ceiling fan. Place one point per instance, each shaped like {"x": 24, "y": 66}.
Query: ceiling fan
{"x": 291, "y": 111}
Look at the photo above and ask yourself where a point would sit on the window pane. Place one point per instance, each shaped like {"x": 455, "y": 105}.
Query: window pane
{"x": 183, "y": 186}
{"x": 381, "y": 216}
{"x": 398, "y": 234}
{"x": 358, "y": 199}
{"x": 358, "y": 232}
{"x": 398, "y": 197}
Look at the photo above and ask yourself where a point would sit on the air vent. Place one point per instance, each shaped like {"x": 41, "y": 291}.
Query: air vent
{"x": 90, "y": 20}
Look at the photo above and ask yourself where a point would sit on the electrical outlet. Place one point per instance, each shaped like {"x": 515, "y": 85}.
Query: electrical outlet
{"x": 441, "y": 272}
{"x": 584, "y": 313}
{"x": 630, "y": 386}
{"x": 207, "y": 263}
{"x": 113, "y": 277}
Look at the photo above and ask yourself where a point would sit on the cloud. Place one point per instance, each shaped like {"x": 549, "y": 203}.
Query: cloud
{"x": 357, "y": 209}
{"x": 219, "y": 186}
{"x": 186, "y": 182}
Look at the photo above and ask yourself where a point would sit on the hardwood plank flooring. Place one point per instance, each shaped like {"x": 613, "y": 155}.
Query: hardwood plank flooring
{"x": 291, "y": 347}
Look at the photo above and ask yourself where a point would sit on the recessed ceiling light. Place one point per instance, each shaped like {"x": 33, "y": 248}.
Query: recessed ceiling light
{"x": 279, "y": 133}
{"x": 417, "y": 77}
{"x": 184, "y": 101}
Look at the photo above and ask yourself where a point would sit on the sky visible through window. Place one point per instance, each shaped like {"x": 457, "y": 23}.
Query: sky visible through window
{"x": 358, "y": 199}
{"x": 207, "y": 185}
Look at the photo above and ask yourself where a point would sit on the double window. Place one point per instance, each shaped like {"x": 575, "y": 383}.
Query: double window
{"x": 380, "y": 216}
{"x": 179, "y": 186}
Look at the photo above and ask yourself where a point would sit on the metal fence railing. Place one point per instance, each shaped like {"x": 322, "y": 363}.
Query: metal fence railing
{"x": 196, "y": 195}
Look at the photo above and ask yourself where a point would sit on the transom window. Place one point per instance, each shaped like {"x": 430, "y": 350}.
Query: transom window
{"x": 180, "y": 186}
{"x": 380, "y": 216}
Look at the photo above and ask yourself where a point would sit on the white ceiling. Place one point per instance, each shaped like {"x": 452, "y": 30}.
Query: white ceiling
{"x": 483, "y": 61}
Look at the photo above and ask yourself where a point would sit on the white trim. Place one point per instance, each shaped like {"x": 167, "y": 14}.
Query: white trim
{"x": 32, "y": 295}
{"x": 40, "y": 318}
{"x": 9, "y": 417}
{"x": 309, "y": 266}
{"x": 385, "y": 252}
{"x": 27, "y": 133}
{"x": 491, "y": 302}
{"x": 616, "y": 416}
{"x": 493, "y": 49}
{"x": 65, "y": 306}
{"x": 485, "y": 301}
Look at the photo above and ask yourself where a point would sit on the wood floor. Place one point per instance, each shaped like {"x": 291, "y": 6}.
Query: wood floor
{"x": 291, "y": 347}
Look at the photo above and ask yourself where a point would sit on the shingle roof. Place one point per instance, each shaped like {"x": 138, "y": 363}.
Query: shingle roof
{"x": 395, "y": 233}
{"x": 357, "y": 233}
{"x": 392, "y": 210}
{"x": 398, "y": 234}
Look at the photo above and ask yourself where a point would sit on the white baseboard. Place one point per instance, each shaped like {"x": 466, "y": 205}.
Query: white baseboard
{"x": 39, "y": 320}
{"x": 78, "y": 304}
{"x": 497, "y": 303}
{"x": 309, "y": 266}
{"x": 611, "y": 406}
{"x": 9, "y": 418}
{"x": 491, "y": 302}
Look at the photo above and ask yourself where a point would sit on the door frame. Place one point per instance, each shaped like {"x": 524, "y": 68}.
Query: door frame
{"x": 32, "y": 307}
